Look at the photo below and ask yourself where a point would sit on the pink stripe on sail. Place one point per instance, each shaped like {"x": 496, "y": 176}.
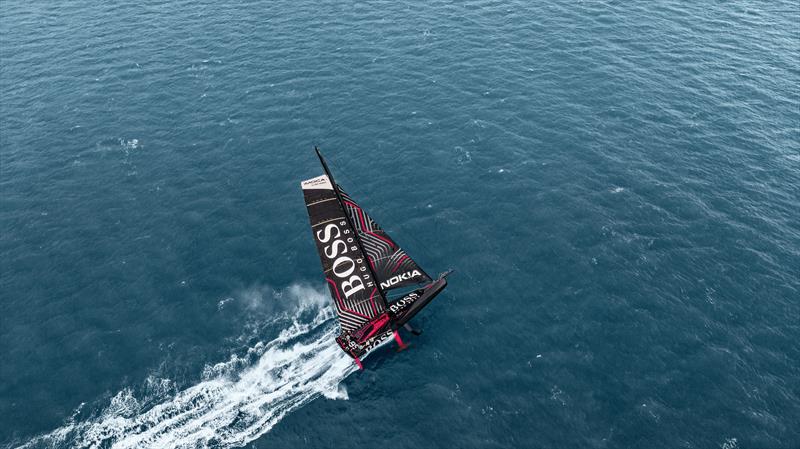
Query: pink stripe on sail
{"x": 360, "y": 214}
{"x": 391, "y": 244}
{"x": 399, "y": 262}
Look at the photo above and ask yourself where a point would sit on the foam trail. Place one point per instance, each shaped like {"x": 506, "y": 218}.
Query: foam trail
{"x": 228, "y": 410}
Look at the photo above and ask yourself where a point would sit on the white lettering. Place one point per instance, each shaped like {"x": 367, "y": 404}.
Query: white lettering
{"x": 344, "y": 266}
{"x": 327, "y": 233}
{"x": 344, "y": 260}
{"x": 353, "y": 285}
{"x": 332, "y": 251}
{"x": 399, "y": 278}
{"x": 402, "y": 303}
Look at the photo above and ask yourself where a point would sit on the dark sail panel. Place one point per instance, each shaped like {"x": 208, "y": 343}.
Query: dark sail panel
{"x": 355, "y": 293}
{"x": 392, "y": 266}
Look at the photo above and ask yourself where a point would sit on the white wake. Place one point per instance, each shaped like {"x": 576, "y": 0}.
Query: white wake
{"x": 234, "y": 405}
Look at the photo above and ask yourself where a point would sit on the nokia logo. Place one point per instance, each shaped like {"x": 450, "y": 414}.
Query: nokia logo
{"x": 343, "y": 267}
{"x": 320, "y": 182}
{"x": 399, "y": 278}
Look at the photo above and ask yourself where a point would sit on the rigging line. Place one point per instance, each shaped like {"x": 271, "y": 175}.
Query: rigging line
{"x": 386, "y": 257}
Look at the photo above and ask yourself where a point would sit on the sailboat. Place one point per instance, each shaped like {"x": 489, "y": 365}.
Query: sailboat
{"x": 361, "y": 263}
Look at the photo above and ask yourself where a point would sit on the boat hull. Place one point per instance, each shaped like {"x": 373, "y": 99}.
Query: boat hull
{"x": 377, "y": 332}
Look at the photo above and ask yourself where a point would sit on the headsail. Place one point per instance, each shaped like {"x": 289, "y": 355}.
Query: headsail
{"x": 355, "y": 292}
{"x": 392, "y": 266}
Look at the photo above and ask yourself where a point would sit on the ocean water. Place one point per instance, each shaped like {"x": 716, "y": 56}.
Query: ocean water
{"x": 616, "y": 184}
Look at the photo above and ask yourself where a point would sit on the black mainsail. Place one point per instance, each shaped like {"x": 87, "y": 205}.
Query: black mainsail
{"x": 360, "y": 262}
{"x": 353, "y": 286}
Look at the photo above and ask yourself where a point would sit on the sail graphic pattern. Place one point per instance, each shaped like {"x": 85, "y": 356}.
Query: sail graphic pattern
{"x": 356, "y": 295}
{"x": 392, "y": 266}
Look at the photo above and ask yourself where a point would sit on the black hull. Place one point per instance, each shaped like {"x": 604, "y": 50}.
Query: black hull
{"x": 427, "y": 296}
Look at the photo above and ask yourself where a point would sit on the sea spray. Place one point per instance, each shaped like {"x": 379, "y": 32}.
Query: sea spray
{"x": 236, "y": 402}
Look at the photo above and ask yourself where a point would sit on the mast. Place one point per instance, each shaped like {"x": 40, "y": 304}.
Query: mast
{"x": 350, "y": 223}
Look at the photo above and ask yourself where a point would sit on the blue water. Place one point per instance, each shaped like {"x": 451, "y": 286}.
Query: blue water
{"x": 617, "y": 185}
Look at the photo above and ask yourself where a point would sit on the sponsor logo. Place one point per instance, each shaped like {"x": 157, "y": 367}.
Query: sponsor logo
{"x": 348, "y": 344}
{"x": 347, "y": 270}
{"x": 399, "y": 278}
{"x": 404, "y": 302}
{"x": 376, "y": 341}
{"x": 320, "y": 182}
